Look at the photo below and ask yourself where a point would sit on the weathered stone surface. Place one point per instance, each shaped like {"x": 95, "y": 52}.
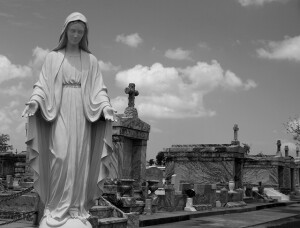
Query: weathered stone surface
{"x": 112, "y": 222}
{"x": 286, "y": 177}
{"x": 138, "y": 207}
{"x": 267, "y": 175}
{"x": 203, "y": 207}
{"x": 127, "y": 201}
{"x": 224, "y": 196}
{"x": 235, "y": 204}
{"x": 133, "y": 220}
{"x": 27, "y": 202}
{"x": 102, "y": 211}
{"x": 205, "y": 172}
{"x": 171, "y": 202}
{"x": 204, "y": 194}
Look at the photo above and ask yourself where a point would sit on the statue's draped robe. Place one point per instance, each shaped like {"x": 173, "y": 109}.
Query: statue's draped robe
{"x": 74, "y": 176}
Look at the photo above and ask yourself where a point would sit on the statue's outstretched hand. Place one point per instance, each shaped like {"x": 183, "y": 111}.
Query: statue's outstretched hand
{"x": 109, "y": 113}
{"x": 30, "y": 109}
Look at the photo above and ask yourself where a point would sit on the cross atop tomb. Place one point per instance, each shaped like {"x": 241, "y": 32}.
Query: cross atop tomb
{"x": 132, "y": 93}
{"x": 235, "y": 129}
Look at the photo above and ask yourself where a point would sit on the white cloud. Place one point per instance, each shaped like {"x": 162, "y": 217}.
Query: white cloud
{"x": 8, "y": 116}
{"x": 178, "y": 54}
{"x": 168, "y": 92}
{"x": 258, "y": 2}
{"x": 288, "y": 49}
{"x": 132, "y": 40}
{"x": 108, "y": 66}
{"x": 10, "y": 71}
{"x": 39, "y": 55}
{"x": 203, "y": 45}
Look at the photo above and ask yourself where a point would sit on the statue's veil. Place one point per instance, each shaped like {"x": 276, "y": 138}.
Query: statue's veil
{"x": 63, "y": 36}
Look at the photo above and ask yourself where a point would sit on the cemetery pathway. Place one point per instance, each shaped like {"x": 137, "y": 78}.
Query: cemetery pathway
{"x": 278, "y": 217}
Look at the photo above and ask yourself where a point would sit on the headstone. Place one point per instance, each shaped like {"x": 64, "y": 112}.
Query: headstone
{"x": 148, "y": 207}
{"x": 224, "y": 196}
{"x": 205, "y": 194}
{"x": 176, "y": 182}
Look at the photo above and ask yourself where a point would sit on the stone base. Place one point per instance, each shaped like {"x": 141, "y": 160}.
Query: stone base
{"x": 235, "y": 204}
{"x": 102, "y": 211}
{"x": 203, "y": 207}
{"x": 70, "y": 223}
{"x": 189, "y": 209}
{"x": 138, "y": 207}
{"x": 133, "y": 220}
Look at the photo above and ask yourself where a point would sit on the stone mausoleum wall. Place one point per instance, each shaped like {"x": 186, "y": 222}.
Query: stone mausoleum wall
{"x": 206, "y": 163}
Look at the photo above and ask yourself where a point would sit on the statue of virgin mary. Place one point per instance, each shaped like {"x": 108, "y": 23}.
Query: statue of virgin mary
{"x": 70, "y": 129}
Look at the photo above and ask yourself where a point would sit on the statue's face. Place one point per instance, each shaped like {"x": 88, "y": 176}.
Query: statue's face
{"x": 75, "y": 32}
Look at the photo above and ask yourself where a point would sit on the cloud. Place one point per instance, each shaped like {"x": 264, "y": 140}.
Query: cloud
{"x": 108, "y": 66}
{"x": 288, "y": 49}
{"x": 8, "y": 116}
{"x": 132, "y": 40}
{"x": 178, "y": 54}
{"x": 168, "y": 92}
{"x": 6, "y": 15}
{"x": 39, "y": 55}
{"x": 258, "y": 2}
{"x": 10, "y": 71}
{"x": 203, "y": 45}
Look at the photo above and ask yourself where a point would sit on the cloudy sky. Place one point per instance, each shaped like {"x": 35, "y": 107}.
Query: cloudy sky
{"x": 200, "y": 66}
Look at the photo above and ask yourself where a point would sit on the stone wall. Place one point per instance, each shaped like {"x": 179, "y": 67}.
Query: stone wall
{"x": 267, "y": 175}
{"x": 205, "y": 172}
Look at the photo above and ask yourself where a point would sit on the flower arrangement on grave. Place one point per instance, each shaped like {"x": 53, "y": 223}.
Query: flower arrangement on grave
{"x": 190, "y": 193}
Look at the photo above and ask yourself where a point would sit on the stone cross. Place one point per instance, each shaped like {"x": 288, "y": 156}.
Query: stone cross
{"x": 130, "y": 90}
{"x": 235, "y": 129}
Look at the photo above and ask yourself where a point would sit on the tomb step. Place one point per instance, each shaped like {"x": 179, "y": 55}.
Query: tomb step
{"x": 112, "y": 222}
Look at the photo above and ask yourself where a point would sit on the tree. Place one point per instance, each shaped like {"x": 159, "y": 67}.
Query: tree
{"x": 151, "y": 162}
{"x": 4, "y": 147}
{"x": 293, "y": 128}
{"x": 160, "y": 158}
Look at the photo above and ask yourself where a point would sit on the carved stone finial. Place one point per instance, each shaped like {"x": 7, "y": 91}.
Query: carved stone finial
{"x": 130, "y": 90}
{"x": 286, "y": 150}
{"x": 278, "y": 153}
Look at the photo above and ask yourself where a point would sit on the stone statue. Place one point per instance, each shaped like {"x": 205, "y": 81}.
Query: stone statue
{"x": 70, "y": 129}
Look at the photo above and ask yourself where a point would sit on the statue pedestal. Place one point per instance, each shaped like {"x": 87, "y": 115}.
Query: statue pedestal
{"x": 70, "y": 223}
{"x": 189, "y": 205}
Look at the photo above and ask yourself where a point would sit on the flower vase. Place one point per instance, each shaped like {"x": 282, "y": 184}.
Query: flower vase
{"x": 231, "y": 186}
